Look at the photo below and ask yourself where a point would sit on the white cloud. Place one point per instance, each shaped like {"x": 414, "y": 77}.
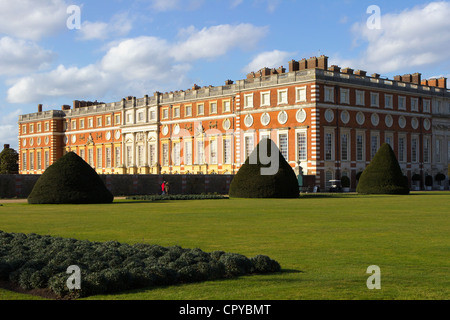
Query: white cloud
{"x": 9, "y": 128}
{"x": 269, "y": 59}
{"x": 32, "y": 19}
{"x": 119, "y": 25}
{"x": 170, "y": 5}
{"x": 137, "y": 65}
{"x": 21, "y": 56}
{"x": 416, "y": 37}
{"x": 216, "y": 41}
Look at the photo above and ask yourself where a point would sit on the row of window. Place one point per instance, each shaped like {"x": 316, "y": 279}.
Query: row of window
{"x": 90, "y": 122}
{"x": 200, "y": 109}
{"x": 374, "y": 145}
{"x": 375, "y": 100}
{"x": 281, "y": 99}
{"x": 38, "y": 127}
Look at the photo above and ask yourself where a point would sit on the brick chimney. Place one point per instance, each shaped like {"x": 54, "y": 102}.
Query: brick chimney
{"x": 375, "y": 75}
{"x": 228, "y": 82}
{"x": 433, "y": 82}
{"x": 322, "y": 62}
{"x": 312, "y": 63}
{"x": 39, "y": 107}
{"x": 442, "y": 83}
{"x": 406, "y": 78}
{"x": 294, "y": 66}
{"x": 361, "y": 73}
{"x": 416, "y": 78}
{"x": 303, "y": 64}
{"x": 398, "y": 78}
{"x": 65, "y": 107}
{"x": 347, "y": 70}
{"x": 334, "y": 68}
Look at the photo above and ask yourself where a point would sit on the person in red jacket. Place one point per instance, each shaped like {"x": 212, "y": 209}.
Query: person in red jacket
{"x": 163, "y": 188}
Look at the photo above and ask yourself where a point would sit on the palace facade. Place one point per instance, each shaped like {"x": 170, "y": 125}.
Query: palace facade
{"x": 327, "y": 122}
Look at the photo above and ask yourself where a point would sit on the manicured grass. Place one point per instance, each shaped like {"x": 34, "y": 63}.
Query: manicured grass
{"x": 324, "y": 244}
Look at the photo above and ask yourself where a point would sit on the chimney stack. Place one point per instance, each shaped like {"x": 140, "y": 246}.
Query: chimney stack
{"x": 294, "y": 66}
{"x": 442, "y": 83}
{"x": 334, "y": 68}
{"x": 416, "y": 78}
{"x": 39, "y": 107}
{"x": 361, "y": 73}
{"x": 376, "y": 76}
{"x": 347, "y": 70}
{"x": 322, "y": 62}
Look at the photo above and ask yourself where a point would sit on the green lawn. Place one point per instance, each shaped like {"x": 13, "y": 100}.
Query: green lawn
{"x": 324, "y": 244}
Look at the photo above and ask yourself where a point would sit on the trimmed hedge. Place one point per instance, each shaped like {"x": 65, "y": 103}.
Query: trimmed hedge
{"x": 250, "y": 183}
{"x": 383, "y": 175}
{"x": 70, "y": 180}
{"x": 35, "y": 261}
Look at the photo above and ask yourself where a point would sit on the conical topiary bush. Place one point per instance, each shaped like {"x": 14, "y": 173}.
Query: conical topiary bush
{"x": 70, "y": 180}
{"x": 259, "y": 178}
{"x": 383, "y": 175}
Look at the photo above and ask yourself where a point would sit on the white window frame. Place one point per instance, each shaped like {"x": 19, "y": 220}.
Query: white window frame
{"x": 300, "y": 149}
{"x": 401, "y": 103}
{"x": 345, "y": 96}
{"x": 226, "y": 105}
{"x": 227, "y": 154}
{"x": 329, "y": 94}
{"x": 402, "y": 154}
{"x": 300, "y": 94}
{"x": 248, "y": 100}
{"x": 374, "y": 100}
{"x": 282, "y": 96}
{"x": 332, "y": 145}
{"x": 391, "y": 99}
{"x": 263, "y": 94}
{"x": 347, "y": 147}
{"x": 188, "y": 152}
{"x": 283, "y": 133}
{"x": 426, "y": 105}
{"x": 415, "y": 156}
{"x": 200, "y": 109}
{"x": 360, "y": 98}
{"x": 363, "y": 146}
{"x": 415, "y": 104}
{"x": 213, "y": 110}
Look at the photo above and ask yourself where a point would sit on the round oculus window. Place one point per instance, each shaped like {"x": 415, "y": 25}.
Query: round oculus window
{"x": 427, "y": 124}
{"x": 345, "y": 116}
{"x": 329, "y": 115}
{"x": 282, "y": 117}
{"x": 414, "y": 123}
{"x": 265, "y": 119}
{"x": 248, "y": 121}
{"x": 389, "y": 121}
{"x": 165, "y": 130}
{"x": 360, "y": 118}
{"x": 375, "y": 119}
{"x": 226, "y": 124}
{"x": 301, "y": 115}
{"x": 402, "y": 122}
{"x": 176, "y": 129}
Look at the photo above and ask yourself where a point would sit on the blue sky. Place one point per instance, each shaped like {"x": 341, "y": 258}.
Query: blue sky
{"x": 137, "y": 47}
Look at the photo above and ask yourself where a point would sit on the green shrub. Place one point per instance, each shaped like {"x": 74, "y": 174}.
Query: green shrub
{"x": 41, "y": 262}
{"x": 236, "y": 264}
{"x": 383, "y": 175}
{"x": 249, "y": 182}
{"x": 70, "y": 180}
{"x": 263, "y": 264}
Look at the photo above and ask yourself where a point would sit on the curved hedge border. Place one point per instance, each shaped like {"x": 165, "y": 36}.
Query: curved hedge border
{"x": 177, "y": 197}
{"x": 35, "y": 261}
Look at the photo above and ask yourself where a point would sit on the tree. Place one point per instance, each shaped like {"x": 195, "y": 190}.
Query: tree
{"x": 70, "y": 180}
{"x": 383, "y": 175}
{"x": 260, "y": 178}
{"x": 9, "y": 161}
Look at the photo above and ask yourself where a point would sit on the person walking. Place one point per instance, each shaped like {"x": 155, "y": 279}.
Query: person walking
{"x": 163, "y": 188}
{"x": 166, "y": 187}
